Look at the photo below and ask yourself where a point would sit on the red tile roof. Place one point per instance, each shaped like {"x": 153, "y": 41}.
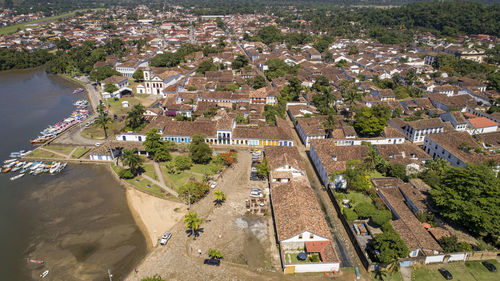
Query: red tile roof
{"x": 482, "y": 122}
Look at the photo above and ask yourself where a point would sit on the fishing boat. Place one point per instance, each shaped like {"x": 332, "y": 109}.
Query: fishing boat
{"x": 9, "y": 161}
{"x": 16, "y": 177}
{"x": 17, "y": 154}
{"x": 77, "y": 91}
{"x": 61, "y": 167}
{"x": 36, "y": 261}
{"x": 44, "y": 274}
{"x": 54, "y": 167}
{"x": 6, "y": 170}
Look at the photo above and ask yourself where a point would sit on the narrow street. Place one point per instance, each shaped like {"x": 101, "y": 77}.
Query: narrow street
{"x": 344, "y": 247}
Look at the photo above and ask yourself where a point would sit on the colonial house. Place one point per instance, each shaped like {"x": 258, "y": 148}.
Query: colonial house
{"x": 329, "y": 159}
{"x": 406, "y": 154}
{"x": 285, "y": 163}
{"x": 302, "y": 230}
{"x": 266, "y": 95}
{"x": 157, "y": 79}
{"x": 416, "y": 237}
{"x": 456, "y": 119}
{"x": 311, "y": 128}
{"x": 458, "y": 148}
{"x": 347, "y": 136}
{"x": 300, "y": 110}
{"x": 384, "y": 95}
{"x": 415, "y": 131}
{"x": 481, "y": 125}
{"x": 128, "y": 68}
{"x": 459, "y": 103}
{"x": 120, "y": 82}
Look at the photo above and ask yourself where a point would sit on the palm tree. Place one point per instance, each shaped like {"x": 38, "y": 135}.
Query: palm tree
{"x": 192, "y": 222}
{"x": 131, "y": 159}
{"x": 102, "y": 121}
{"x": 350, "y": 93}
{"x": 219, "y": 197}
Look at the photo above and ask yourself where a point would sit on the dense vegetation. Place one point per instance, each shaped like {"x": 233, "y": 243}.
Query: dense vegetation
{"x": 12, "y": 59}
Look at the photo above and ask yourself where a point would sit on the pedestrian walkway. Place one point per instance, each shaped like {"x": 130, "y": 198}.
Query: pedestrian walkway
{"x": 162, "y": 185}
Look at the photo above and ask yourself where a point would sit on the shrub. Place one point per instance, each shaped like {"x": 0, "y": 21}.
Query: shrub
{"x": 193, "y": 191}
{"x": 380, "y": 217}
{"x": 350, "y": 215}
{"x": 313, "y": 258}
{"x": 125, "y": 174}
{"x": 364, "y": 210}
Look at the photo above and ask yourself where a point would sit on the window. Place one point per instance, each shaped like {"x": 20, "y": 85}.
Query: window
{"x": 311, "y": 236}
{"x": 300, "y": 236}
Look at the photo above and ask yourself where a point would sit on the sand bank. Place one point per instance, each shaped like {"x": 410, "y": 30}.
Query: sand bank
{"x": 153, "y": 215}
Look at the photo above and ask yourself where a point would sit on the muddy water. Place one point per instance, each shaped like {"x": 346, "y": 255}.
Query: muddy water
{"x": 78, "y": 222}
{"x": 255, "y": 243}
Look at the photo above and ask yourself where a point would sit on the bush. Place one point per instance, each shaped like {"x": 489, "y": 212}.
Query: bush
{"x": 193, "y": 191}
{"x": 364, "y": 210}
{"x": 125, "y": 174}
{"x": 380, "y": 217}
{"x": 350, "y": 215}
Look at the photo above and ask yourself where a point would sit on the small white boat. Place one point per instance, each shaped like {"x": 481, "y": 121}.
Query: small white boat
{"x": 61, "y": 167}
{"x": 9, "y": 161}
{"x": 27, "y": 165}
{"x": 44, "y": 274}
{"x": 54, "y": 167}
{"x": 16, "y": 177}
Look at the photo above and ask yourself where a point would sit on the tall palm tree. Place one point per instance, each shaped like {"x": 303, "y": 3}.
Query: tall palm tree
{"x": 131, "y": 159}
{"x": 102, "y": 121}
{"x": 192, "y": 222}
{"x": 219, "y": 197}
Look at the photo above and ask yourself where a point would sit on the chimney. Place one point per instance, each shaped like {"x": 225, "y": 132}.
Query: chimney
{"x": 334, "y": 158}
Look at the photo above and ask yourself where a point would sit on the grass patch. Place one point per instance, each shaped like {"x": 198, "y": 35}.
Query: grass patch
{"x": 180, "y": 179}
{"x": 80, "y": 151}
{"x": 210, "y": 168}
{"x": 61, "y": 149}
{"x": 115, "y": 106}
{"x": 149, "y": 171}
{"x": 354, "y": 197}
{"x": 38, "y": 153}
{"x": 468, "y": 271}
{"x": 396, "y": 276}
{"x": 96, "y": 132}
{"x": 13, "y": 28}
{"x": 146, "y": 186}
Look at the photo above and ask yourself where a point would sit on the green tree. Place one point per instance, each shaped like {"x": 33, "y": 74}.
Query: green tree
{"x": 102, "y": 120}
{"x": 258, "y": 82}
{"x": 206, "y": 65}
{"x": 138, "y": 75}
{"x": 269, "y": 34}
{"x": 135, "y": 117}
{"x": 263, "y": 169}
{"x": 214, "y": 254}
{"x": 158, "y": 149}
{"x": 102, "y": 72}
{"x": 199, "y": 151}
{"x": 357, "y": 176}
{"x": 192, "y": 222}
{"x": 132, "y": 160}
{"x": 370, "y": 122}
{"x": 193, "y": 191}
{"x": 350, "y": 215}
{"x": 110, "y": 88}
{"x": 380, "y": 217}
{"x": 364, "y": 210}
{"x": 390, "y": 246}
{"x": 350, "y": 93}
{"x": 182, "y": 162}
{"x": 166, "y": 60}
{"x": 397, "y": 170}
{"x": 219, "y": 197}
{"x": 353, "y": 50}
{"x": 470, "y": 197}
{"x": 239, "y": 62}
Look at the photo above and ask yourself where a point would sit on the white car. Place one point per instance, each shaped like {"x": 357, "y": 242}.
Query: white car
{"x": 213, "y": 184}
{"x": 166, "y": 236}
{"x": 97, "y": 144}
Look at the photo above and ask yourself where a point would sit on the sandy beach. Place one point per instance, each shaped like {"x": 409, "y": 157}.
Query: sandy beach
{"x": 153, "y": 215}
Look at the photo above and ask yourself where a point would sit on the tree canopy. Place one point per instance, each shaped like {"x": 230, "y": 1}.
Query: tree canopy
{"x": 370, "y": 122}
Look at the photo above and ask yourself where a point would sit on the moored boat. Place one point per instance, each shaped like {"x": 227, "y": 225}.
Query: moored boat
{"x": 16, "y": 177}
{"x": 44, "y": 274}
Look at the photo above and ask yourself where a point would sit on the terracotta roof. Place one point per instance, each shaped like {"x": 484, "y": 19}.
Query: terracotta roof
{"x": 114, "y": 79}
{"x": 406, "y": 225}
{"x": 326, "y": 151}
{"x": 490, "y": 139}
{"x": 312, "y": 126}
{"x": 426, "y": 123}
{"x": 278, "y": 156}
{"x": 482, "y": 122}
{"x": 181, "y": 128}
{"x": 324, "y": 248}
{"x": 296, "y": 210}
{"x": 451, "y": 141}
{"x": 261, "y": 132}
{"x": 404, "y": 153}
{"x": 438, "y": 232}
{"x": 299, "y": 110}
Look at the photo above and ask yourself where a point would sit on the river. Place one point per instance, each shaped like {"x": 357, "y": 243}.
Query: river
{"x": 78, "y": 222}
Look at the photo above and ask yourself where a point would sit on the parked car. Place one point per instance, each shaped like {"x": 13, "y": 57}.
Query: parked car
{"x": 166, "y": 236}
{"x": 213, "y": 184}
{"x": 97, "y": 144}
{"x": 446, "y": 274}
{"x": 255, "y": 194}
{"x": 233, "y": 150}
{"x": 489, "y": 266}
{"x": 212, "y": 262}
{"x": 256, "y": 189}
{"x": 254, "y": 169}
{"x": 254, "y": 176}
